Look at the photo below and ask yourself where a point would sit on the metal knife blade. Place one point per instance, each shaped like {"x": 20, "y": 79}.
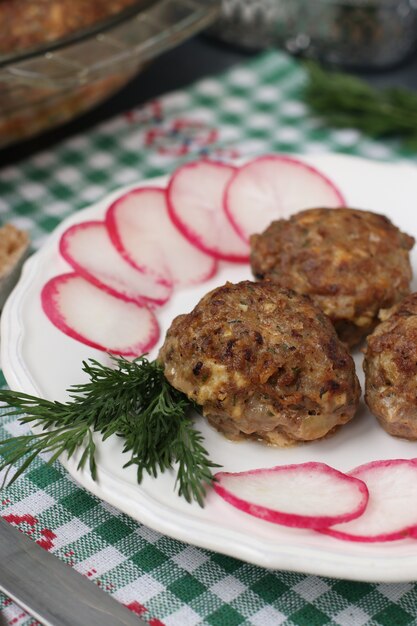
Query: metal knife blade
{"x": 52, "y": 591}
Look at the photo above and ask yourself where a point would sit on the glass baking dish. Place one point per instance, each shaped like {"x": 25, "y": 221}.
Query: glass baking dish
{"x": 43, "y": 87}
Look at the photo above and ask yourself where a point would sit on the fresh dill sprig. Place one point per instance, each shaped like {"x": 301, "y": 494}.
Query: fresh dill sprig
{"x": 346, "y": 101}
{"x": 132, "y": 400}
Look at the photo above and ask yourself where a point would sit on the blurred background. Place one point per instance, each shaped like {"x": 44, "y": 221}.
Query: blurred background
{"x": 66, "y": 65}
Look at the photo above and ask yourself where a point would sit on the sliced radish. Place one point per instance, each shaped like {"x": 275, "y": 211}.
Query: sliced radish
{"x": 94, "y": 317}
{"x": 141, "y": 230}
{"x": 274, "y": 187}
{"x": 307, "y": 495}
{"x": 195, "y": 201}
{"x": 87, "y": 247}
{"x": 391, "y": 513}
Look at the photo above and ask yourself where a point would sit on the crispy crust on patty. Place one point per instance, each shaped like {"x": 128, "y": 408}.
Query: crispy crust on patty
{"x": 390, "y": 367}
{"x": 352, "y": 263}
{"x": 262, "y": 362}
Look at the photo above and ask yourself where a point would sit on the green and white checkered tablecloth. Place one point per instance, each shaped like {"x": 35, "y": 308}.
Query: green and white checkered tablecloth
{"x": 254, "y": 108}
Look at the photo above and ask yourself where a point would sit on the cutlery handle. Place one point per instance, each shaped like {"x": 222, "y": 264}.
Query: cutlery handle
{"x": 52, "y": 591}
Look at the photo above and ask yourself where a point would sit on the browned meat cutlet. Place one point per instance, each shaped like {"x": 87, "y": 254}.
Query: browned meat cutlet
{"x": 390, "y": 367}
{"x": 262, "y": 362}
{"x": 352, "y": 263}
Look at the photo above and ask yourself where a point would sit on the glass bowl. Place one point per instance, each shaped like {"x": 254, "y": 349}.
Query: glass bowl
{"x": 51, "y": 84}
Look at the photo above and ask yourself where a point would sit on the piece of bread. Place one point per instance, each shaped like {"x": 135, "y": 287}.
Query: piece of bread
{"x": 14, "y": 247}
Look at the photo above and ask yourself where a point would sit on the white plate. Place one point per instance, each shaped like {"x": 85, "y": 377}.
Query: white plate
{"x": 39, "y": 359}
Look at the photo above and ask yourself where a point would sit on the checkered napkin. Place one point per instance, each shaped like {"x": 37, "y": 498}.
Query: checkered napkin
{"x": 254, "y": 108}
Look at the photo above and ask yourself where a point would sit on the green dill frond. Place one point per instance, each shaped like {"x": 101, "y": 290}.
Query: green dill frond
{"x": 132, "y": 400}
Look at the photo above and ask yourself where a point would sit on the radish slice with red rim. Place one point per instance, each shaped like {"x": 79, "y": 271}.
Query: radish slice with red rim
{"x": 98, "y": 319}
{"x": 141, "y": 230}
{"x": 306, "y": 495}
{"x": 391, "y": 513}
{"x": 195, "y": 201}
{"x": 274, "y": 187}
{"x": 87, "y": 247}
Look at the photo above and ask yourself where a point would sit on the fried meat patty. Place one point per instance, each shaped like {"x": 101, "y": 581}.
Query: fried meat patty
{"x": 352, "y": 263}
{"x": 390, "y": 367}
{"x": 262, "y": 362}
